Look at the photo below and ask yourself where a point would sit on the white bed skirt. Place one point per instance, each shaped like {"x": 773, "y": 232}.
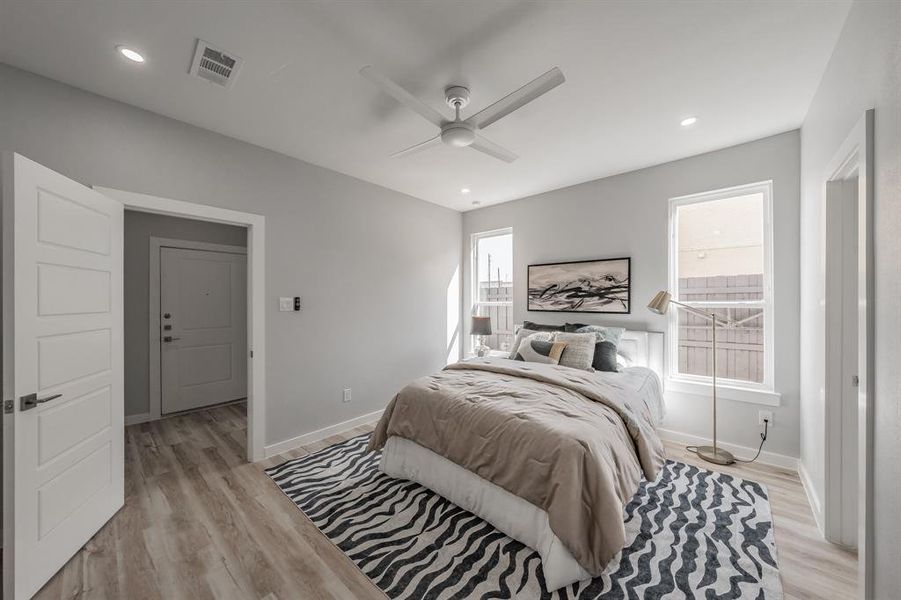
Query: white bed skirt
{"x": 508, "y": 513}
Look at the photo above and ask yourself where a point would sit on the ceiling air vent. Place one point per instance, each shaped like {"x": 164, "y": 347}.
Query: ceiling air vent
{"x": 215, "y": 65}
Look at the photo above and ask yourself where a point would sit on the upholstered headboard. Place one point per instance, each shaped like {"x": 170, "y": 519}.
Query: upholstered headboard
{"x": 644, "y": 349}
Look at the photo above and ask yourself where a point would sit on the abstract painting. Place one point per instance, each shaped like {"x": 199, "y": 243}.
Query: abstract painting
{"x": 599, "y": 286}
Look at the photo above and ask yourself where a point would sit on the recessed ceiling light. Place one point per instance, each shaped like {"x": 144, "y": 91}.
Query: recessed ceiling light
{"x": 130, "y": 54}
{"x": 465, "y": 191}
{"x": 688, "y": 121}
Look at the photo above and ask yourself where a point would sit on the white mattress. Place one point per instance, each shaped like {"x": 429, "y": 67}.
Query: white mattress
{"x": 507, "y": 512}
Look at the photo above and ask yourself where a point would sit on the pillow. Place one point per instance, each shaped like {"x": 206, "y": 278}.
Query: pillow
{"x": 579, "y": 351}
{"x": 522, "y": 334}
{"x": 610, "y": 334}
{"x": 608, "y": 338}
{"x": 573, "y": 327}
{"x": 534, "y": 349}
{"x": 541, "y": 327}
{"x": 605, "y": 357}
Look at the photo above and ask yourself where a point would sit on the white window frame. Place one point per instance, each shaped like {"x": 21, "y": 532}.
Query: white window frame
{"x": 474, "y": 303}
{"x": 733, "y": 389}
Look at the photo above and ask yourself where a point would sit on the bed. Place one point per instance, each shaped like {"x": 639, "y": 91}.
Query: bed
{"x": 548, "y": 455}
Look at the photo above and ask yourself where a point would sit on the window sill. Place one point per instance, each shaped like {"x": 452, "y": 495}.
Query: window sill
{"x": 725, "y": 391}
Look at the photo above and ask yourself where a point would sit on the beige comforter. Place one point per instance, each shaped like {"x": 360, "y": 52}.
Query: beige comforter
{"x": 568, "y": 441}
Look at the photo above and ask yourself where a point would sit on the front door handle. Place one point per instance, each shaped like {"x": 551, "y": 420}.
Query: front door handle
{"x": 31, "y": 400}
{"x": 169, "y": 338}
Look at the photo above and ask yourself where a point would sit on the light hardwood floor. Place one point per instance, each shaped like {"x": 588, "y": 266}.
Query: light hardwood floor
{"x": 199, "y": 523}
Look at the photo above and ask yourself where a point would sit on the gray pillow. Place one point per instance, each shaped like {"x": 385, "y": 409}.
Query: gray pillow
{"x": 604, "y": 334}
{"x": 542, "y": 327}
{"x": 579, "y": 351}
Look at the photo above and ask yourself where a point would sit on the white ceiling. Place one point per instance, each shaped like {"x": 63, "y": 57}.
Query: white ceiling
{"x": 634, "y": 70}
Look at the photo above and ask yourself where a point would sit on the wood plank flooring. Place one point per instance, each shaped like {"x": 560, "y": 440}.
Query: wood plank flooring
{"x": 201, "y": 523}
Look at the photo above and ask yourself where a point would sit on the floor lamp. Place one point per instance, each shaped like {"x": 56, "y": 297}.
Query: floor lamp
{"x": 659, "y": 304}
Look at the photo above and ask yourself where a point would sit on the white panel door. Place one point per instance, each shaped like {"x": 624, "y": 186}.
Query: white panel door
{"x": 63, "y": 440}
{"x": 203, "y": 317}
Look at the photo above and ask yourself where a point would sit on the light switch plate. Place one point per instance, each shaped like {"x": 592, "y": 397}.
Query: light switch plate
{"x": 286, "y": 304}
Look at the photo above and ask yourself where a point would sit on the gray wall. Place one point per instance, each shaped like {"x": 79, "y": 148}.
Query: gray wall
{"x": 139, "y": 227}
{"x": 626, "y": 215}
{"x": 366, "y": 260}
{"x": 864, "y": 72}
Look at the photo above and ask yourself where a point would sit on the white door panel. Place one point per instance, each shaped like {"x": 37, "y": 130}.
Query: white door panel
{"x": 204, "y": 294}
{"x": 62, "y": 318}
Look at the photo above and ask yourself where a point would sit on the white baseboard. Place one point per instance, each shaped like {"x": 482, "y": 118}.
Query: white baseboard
{"x": 767, "y": 458}
{"x": 135, "y": 419}
{"x": 812, "y": 498}
{"x": 319, "y": 434}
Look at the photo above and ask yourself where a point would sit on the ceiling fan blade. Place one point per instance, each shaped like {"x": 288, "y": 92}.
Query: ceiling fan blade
{"x": 403, "y": 96}
{"x": 515, "y": 100}
{"x": 482, "y": 144}
{"x": 418, "y": 147}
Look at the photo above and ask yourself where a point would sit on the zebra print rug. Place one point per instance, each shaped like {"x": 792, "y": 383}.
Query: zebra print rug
{"x": 692, "y": 533}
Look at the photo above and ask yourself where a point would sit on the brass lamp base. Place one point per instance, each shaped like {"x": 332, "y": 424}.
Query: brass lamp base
{"x": 716, "y": 455}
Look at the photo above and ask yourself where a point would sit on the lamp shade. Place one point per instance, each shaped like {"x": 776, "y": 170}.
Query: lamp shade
{"x": 481, "y": 326}
{"x": 660, "y": 302}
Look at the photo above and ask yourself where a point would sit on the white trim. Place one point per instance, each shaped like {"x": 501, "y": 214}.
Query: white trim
{"x": 320, "y": 434}
{"x": 155, "y": 368}
{"x": 812, "y": 498}
{"x": 772, "y": 459}
{"x": 724, "y": 391}
{"x": 256, "y": 294}
{"x": 768, "y": 385}
{"x": 138, "y": 419}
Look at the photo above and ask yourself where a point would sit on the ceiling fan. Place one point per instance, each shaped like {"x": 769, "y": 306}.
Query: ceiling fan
{"x": 462, "y": 133}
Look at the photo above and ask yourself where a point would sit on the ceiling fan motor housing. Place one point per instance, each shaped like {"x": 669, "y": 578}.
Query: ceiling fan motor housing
{"x": 456, "y": 96}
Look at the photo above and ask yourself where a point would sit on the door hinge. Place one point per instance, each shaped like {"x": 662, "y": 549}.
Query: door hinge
{"x": 8, "y": 406}
{"x": 855, "y": 380}
{"x": 251, "y": 354}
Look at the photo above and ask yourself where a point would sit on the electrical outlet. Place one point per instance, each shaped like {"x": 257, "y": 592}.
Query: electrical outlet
{"x": 347, "y": 395}
{"x": 765, "y": 415}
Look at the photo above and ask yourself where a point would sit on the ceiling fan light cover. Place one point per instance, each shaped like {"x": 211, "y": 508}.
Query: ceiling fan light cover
{"x": 459, "y": 137}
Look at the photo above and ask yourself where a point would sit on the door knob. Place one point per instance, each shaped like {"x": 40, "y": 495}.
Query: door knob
{"x": 31, "y": 400}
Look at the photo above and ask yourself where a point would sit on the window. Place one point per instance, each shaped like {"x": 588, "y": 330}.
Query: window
{"x": 721, "y": 262}
{"x": 492, "y": 284}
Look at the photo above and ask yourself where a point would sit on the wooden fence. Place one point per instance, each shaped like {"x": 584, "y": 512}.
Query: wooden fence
{"x": 740, "y": 348}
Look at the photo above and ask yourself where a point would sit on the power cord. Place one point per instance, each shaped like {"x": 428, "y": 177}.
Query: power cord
{"x": 766, "y": 427}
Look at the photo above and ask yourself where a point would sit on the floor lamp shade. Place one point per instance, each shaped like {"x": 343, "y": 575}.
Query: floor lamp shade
{"x": 660, "y": 302}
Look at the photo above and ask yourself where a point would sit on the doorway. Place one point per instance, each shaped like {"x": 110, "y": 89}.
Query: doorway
{"x": 255, "y": 355}
{"x": 849, "y": 335}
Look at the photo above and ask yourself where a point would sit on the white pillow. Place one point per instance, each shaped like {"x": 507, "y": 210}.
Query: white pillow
{"x": 524, "y": 333}
{"x": 536, "y": 349}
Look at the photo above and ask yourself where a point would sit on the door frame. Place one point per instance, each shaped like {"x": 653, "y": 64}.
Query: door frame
{"x": 854, "y": 156}
{"x": 155, "y": 371}
{"x": 256, "y": 293}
